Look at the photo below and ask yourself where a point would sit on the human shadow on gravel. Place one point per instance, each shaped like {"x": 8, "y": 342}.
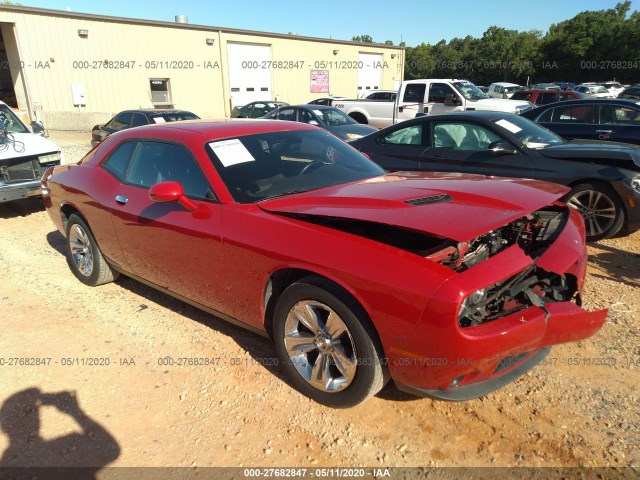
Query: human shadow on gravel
{"x": 620, "y": 266}
{"x": 30, "y": 455}
{"x": 21, "y": 208}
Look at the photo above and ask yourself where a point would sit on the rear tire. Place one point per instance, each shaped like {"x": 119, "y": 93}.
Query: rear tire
{"x": 84, "y": 256}
{"x": 327, "y": 345}
{"x": 601, "y": 208}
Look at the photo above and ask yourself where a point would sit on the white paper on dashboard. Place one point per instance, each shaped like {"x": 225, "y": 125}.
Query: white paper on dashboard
{"x": 231, "y": 152}
{"x": 512, "y": 127}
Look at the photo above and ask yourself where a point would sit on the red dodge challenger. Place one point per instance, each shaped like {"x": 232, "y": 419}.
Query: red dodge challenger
{"x": 451, "y": 285}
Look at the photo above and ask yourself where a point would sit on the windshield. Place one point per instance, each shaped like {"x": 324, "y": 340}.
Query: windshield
{"x": 274, "y": 164}
{"x": 470, "y": 91}
{"x": 10, "y": 122}
{"x": 599, "y": 90}
{"x": 334, "y": 117}
{"x": 529, "y": 134}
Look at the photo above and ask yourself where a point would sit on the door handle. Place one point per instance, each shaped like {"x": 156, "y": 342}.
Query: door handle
{"x": 122, "y": 200}
{"x": 604, "y": 131}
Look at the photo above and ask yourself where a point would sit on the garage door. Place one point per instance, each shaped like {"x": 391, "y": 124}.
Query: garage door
{"x": 249, "y": 72}
{"x": 369, "y": 72}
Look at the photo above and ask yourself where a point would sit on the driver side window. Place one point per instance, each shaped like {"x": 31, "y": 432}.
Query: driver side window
{"x": 153, "y": 162}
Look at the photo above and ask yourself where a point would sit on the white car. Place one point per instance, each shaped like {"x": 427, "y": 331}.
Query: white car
{"x": 24, "y": 156}
{"x": 502, "y": 89}
{"x": 593, "y": 91}
{"x": 614, "y": 88}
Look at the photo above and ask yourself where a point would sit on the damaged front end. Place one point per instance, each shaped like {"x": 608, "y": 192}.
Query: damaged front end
{"x": 532, "y": 286}
{"x": 20, "y": 176}
{"x": 517, "y": 292}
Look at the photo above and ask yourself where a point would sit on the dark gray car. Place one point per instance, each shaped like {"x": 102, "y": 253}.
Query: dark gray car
{"x": 138, "y": 118}
{"x": 339, "y": 123}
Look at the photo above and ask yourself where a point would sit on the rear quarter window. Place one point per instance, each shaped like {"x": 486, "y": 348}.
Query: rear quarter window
{"x": 118, "y": 161}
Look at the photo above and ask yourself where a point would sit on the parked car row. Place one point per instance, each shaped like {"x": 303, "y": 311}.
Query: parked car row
{"x": 611, "y": 89}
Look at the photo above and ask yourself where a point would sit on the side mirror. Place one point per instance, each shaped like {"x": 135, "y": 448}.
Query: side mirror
{"x": 450, "y": 100}
{"x": 501, "y": 148}
{"x": 313, "y": 122}
{"x": 37, "y": 128}
{"x": 170, "y": 191}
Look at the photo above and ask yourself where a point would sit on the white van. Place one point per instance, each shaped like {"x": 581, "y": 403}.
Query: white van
{"x": 24, "y": 156}
{"x": 502, "y": 89}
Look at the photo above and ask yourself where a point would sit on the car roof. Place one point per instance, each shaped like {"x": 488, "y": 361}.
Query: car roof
{"x": 505, "y": 84}
{"x": 314, "y": 107}
{"x": 212, "y": 129}
{"x": 153, "y": 111}
{"x": 484, "y": 115}
{"x": 545, "y": 90}
{"x": 597, "y": 101}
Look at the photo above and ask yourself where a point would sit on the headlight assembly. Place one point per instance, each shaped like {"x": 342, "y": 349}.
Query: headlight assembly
{"x": 471, "y": 303}
{"x": 50, "y": 158}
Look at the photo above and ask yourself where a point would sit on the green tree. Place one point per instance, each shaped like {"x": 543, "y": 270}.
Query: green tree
{"x": 591, "y": 41}
{"x": 362, "y": 39}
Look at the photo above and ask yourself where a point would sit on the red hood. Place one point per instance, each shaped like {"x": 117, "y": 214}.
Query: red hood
{"x": 450, "y": 205}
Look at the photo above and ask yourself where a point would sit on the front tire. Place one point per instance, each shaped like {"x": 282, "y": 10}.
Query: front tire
{"x": 84, "y": 256}
{"x": 327, "y": 345}
{"x": 601, "y": 208}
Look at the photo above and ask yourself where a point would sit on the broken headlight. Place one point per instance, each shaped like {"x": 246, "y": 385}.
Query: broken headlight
{"x": 471, "y": 303}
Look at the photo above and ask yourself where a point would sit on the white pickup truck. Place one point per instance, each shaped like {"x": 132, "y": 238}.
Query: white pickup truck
{"x": 24, "y": 156}
{"x": 375, "y": 108}
{"x": 428, "y": 96}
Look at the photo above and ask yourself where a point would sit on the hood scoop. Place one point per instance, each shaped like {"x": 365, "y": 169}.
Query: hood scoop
{"x": 430, "y": 200}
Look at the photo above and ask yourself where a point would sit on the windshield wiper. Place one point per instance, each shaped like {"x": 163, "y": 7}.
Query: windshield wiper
{"x": 284, "y": 194}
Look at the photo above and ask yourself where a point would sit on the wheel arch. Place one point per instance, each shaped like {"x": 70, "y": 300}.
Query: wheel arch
{"x": 279, "y": 280}
{"x": 359, "y": 117}
{"x": 68, "y": 209}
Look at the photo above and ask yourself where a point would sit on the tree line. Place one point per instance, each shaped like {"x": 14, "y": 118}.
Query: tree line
{"x": 592, "y": 46}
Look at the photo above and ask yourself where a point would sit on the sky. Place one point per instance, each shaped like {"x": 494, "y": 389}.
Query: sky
{"x": 411, "y": 21}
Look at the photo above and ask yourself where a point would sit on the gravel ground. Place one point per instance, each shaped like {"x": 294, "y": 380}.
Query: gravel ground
{"x": 578, "y": 408}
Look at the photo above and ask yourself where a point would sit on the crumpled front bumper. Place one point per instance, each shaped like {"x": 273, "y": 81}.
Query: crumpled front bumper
{"x": 447, "y": 361}
{"x": 16, "y": 190}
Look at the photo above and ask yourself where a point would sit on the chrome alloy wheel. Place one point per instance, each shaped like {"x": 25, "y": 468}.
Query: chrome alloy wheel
{"x": 81, "y": 250}
{"x": 320, "y": 346}
{"x": 597, "y": 208}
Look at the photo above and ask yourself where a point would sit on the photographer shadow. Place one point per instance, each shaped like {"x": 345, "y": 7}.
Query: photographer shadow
{"x": 86, "y": 452}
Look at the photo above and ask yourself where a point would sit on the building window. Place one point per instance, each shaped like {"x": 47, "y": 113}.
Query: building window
{"x": 160, "y": 91}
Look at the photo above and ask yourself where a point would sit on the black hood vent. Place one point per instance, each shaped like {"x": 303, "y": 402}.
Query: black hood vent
{"x": 429, "y": 200}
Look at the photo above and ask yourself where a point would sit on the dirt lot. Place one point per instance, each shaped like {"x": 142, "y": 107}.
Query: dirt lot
{"x": 579, "y": 408}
